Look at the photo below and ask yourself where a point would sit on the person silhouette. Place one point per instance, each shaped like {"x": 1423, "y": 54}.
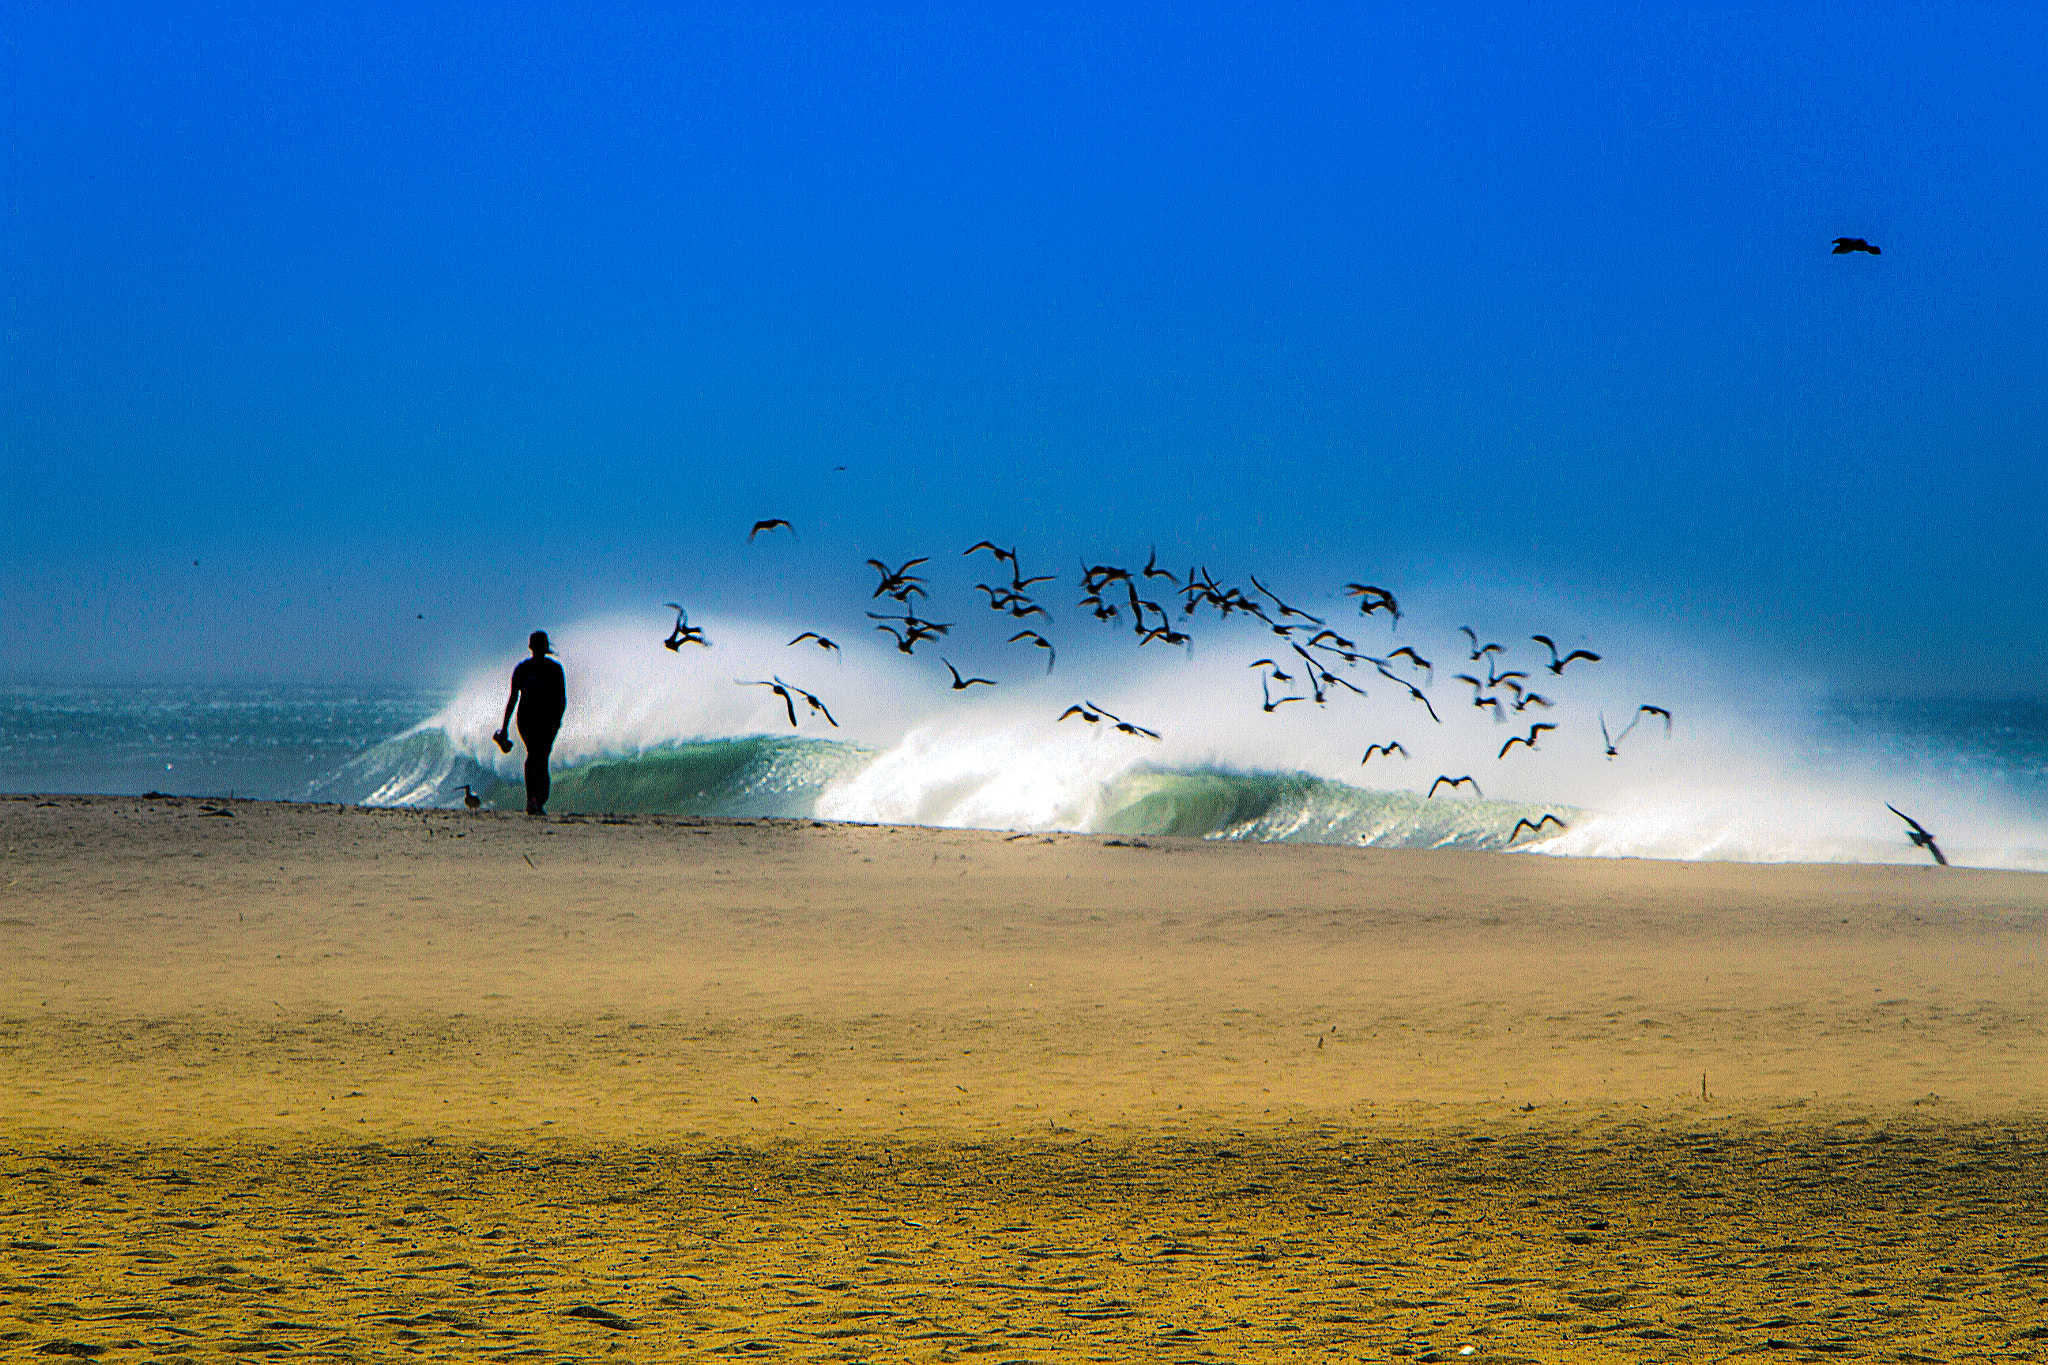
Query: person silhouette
{"x": 541, "y": 694}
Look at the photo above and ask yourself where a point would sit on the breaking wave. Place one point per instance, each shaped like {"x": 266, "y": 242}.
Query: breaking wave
{"x": 654, "y": 731}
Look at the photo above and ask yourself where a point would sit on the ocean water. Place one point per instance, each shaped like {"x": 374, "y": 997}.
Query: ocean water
{"x": 1803, "y": 777}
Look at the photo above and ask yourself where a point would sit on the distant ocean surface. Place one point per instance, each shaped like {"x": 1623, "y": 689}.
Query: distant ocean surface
{"x": 269, "y": 743}
{"x": 1975, "y": 770}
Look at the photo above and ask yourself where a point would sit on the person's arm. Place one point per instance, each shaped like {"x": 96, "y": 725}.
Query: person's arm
{"x": 505, "y": 725}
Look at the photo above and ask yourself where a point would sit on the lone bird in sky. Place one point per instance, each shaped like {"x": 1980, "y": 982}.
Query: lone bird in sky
{"x": 1920, "y": 837}
{"x": 1845, "y": 245}
{"x": 769, "y": 525}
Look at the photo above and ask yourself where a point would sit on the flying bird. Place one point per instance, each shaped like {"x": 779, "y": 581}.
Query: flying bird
{"x": 899, "y": 583}
{"x": 1920, "y": 837}
{"x": 684, "y": 633}
{"x": 769, "y": 525}
{"x": 1388, "y": 749}
{"x": 905, "y": 644}
{"x": 1285, "y": 610}
{"x": 998, "y": 551}
{"x": 961, "y": 684}
{"x": 823, "y": 643}
{"x": 1413, "y": 658}
{"x": 1268, "y": 702}
{"x": 814, "y": 703}
{"x": 1636, "y": 719}
{"x": 1372, "y": 599}
{"x": 1082, "y": 711}
{"x": 1454, "y": 783}
{"x": 1152, "y": 569}
{"x": 779, "y": 688}
{"x": 1529, "y": 739}
{"x": 1051, "y": 655}
{"x": 1534, "y": 826}
{"x": 1480, "y": 651}
{"x": 1845, "y": 245}
{"x": 1557, "y": 664}
{"x": 1413, "y": 691}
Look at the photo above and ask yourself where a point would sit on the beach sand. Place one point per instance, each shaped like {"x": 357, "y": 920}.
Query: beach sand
{"x": 344, "y": 1083}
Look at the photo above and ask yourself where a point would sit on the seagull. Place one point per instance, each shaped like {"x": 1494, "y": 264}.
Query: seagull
{"x": 1529, "y": 699}
{"x": 823, "y": 643}
{"x": 1535, "y": 826}
{"x": 1388, "y": 749}
{"x": 1845, "y": 245}
{"x": 1480, "y": 651}
{"x": 1415, "y": 659}
{"x": 1268, "y": 703}
{"x": 1051, "y": 655}
{"x": 1612, "y": 752}
{"x": 1529, "y": 739}
{"x": 1414, "y": 692}
{"x": 898, "y": 583}
{"x": 1082, "y": 711}
{"x": 779, "y": 688}
{"x": 1454, "y": 783}
{"x": 769, "y": 525}
{"x": 998, "y": 551}
{"x": 1152, "y": 569}
{"x": 1125, "y": 727}
{"x": 1920, "y": 837}
{"x": 1285, "y": 610}
{"x": 961, "y": 684}
{"x": 814, "y": 704}
{"x": 471, "y": 799}
{"x": 684, "y": 633}
{"x": 1372, "y": 599}
{"x": 1557, "y": 664}
{"x": 1637, "y": 718}
{"x": 905, "y": 644}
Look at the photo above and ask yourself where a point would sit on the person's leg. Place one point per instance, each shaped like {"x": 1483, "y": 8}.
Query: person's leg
{"x": 538, "y": 746}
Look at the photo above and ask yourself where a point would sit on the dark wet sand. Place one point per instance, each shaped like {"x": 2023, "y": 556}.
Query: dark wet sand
{"x": 299, "y": 1081}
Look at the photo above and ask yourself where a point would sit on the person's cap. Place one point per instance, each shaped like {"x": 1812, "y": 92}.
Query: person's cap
{"x": 539, "y": 640}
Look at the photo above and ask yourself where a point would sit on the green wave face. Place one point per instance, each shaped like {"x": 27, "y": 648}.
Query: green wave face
{"x": 739, "y": 777}
{"x": 1297, "y": 808}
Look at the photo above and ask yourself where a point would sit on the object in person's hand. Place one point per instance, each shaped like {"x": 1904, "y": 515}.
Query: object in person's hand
{"x": 503, "y": 742}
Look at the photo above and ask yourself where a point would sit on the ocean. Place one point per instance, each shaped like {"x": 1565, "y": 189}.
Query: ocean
{"x": 1805, "y": 777}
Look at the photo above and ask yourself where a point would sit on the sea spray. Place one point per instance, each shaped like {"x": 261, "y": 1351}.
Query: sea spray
{"x": 654, "y": 730}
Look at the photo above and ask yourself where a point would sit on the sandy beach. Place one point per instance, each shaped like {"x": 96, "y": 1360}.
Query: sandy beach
{"x": 351, "y": 1083}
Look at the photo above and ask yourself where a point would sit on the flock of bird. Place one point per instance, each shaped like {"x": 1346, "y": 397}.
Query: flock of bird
{"x": 1158, "y": 606}
{"x": 1315, "y": 651}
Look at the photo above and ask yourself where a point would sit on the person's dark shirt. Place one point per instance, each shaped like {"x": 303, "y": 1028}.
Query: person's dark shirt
{"x": 543, "y": 693}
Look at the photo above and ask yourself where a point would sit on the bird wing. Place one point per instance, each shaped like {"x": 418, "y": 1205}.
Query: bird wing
{"x": 1907, "y": 818}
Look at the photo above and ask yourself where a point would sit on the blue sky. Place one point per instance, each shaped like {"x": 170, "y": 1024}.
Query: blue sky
{"x": 419, "y": 330}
